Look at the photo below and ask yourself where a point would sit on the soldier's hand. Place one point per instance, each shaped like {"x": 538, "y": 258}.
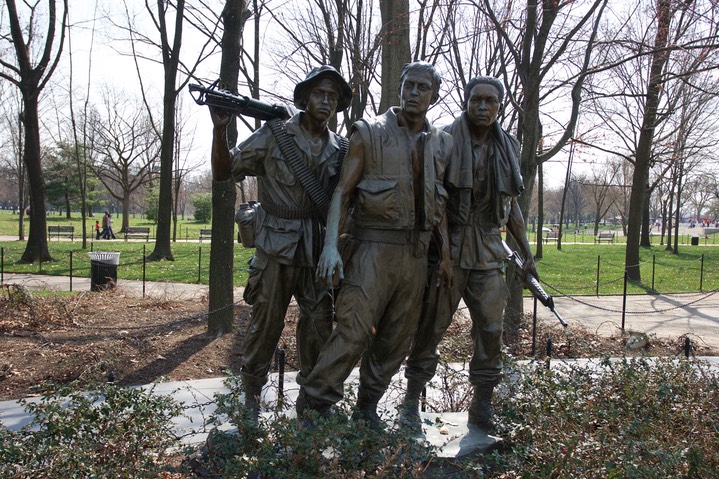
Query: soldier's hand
{"x": 330, "y": 267}
{"x": 529, "y": 267}
{"x": 220, "y": 117}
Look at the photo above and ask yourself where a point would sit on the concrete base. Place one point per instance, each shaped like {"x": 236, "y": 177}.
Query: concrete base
{"x": 453, "y": 438}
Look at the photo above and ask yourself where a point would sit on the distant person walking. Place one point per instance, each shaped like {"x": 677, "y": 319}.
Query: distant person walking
{"x": 107, "y": 226}
{"x": 104, "y": 234}
{"x": 97, "y": 229}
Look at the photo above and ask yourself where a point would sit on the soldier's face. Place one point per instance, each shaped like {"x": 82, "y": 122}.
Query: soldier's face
{"x": 416, "y": 93}
{"x": 322, "y": 101}
{"x": 483, "y": 105}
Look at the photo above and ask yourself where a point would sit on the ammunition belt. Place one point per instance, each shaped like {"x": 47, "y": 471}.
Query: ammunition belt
{"x": 289, "y": 213}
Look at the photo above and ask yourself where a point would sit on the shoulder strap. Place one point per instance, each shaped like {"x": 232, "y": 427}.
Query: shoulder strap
{"x": 308, "y": 181}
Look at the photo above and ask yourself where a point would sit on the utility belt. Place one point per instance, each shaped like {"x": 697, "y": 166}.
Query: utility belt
{"x": 290, "y": 213}
{"x": 418, "y": 240}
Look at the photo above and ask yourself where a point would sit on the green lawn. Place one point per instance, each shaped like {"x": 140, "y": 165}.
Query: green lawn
{"x": 192, "y": 260}
{"x": 571, "y": 271}
{"x": 187, "y": 229}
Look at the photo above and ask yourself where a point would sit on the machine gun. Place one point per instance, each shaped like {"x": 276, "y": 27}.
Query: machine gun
{"x": 238, "y": 104}
{"x": 533, "y": 284}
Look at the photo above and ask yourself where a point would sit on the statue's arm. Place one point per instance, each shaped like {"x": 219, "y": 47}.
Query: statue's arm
{"x": 330, "y": 261}
{"x": 220, "y": 160}
{"x": 515, "y": 226}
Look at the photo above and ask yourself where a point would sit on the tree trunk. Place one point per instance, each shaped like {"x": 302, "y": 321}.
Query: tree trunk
{"x": 170, "y": 62}
{"x": 221, "y": 300}
{"x": 36, "y": 247}
{"x": 395, "y": 48}
{"x": 125, "y": 212}
{"x": 221, "y": 294}
{"x": 646, "y": 137}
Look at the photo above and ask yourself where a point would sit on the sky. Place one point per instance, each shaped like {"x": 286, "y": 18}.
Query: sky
{"x": 110, "y": 68}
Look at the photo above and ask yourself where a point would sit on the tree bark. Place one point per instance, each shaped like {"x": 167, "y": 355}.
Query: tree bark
{"x": 395, "y": 48}
{"x": 36, "y": 247}
{"x": 221, "y": 299}
{"x": 224, "y": 193}
{"x": 170, "y": 62}
{"x": 640, "y": 177}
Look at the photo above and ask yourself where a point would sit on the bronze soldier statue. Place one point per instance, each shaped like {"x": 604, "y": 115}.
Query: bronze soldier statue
{"x": 393, "y": 180}
{"x": 289, "y": 223}
{"x": 483, "y": 181}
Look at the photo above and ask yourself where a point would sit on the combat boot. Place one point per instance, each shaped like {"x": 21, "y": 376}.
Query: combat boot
{"x": 480, "y": 411}
{"x": 366, "y": 410}
{"x": 253, "y": 390}
{"x": 409, "y": 416}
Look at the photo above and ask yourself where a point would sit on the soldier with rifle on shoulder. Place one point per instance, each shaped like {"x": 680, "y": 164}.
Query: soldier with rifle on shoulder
{"x": 297, "y": 162}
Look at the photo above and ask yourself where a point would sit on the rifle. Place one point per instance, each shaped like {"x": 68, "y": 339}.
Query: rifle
{"x": 238, "y": 104}
{"x": 533, "y": 284}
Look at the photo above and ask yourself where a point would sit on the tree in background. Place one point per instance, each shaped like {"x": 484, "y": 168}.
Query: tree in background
{"x": 202, "y": 203}
{"x": 396, "y": 51}
{"x": 30, "y": 74}
{"x": 222, "y": 200}
{"x": 12, "y": 158}
{"x": 126, "y": 148}
{"x": 168, "y": 20}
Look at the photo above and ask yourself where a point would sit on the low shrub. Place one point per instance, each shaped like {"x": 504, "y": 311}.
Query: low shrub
{"x": 110, "y": 433}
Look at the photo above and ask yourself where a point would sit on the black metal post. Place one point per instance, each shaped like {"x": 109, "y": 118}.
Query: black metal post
{"x": 144, "y": 268}
{"x": 599, "y": 259}
{"x": 534, "y": 328}
{"x": 2, "y": 265}
{"x": 624, "y": 299}
{"x": 70, "y": 270}
{"x": 199, "y": 263}
{"x": 701, "y": 275}
{"x": 281, "y": 378}
{"x": 654, "y": 267}
{"x": 687, "y": 347}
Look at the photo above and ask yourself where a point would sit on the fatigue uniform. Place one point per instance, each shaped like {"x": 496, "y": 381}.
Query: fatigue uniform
{"x": 478, "y": 206}
{"x": 288, "y": 240}
{"x": 378, "y": 306}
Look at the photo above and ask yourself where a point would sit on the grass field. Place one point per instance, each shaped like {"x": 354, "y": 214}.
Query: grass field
{"x": 579, "y": 268}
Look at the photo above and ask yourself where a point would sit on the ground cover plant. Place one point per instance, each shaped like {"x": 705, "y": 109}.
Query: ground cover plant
{"x": 50, "y": 340}
{"x": 108, "y": 433}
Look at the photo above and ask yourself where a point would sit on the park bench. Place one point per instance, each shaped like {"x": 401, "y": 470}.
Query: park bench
{"x": 607, "y": 236}
{"x": 205, "y": 233}
{"x": 137, "y": 232}
{"x": 57, "y": 231}
{"x": 553, "y": 236}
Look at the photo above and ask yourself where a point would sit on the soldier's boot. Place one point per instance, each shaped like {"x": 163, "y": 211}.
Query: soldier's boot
{"x": 253, "y": 390}
{"x": 409, "y": 416}
{"x": 480, "y": 411}
{"x": 366, "y": 411}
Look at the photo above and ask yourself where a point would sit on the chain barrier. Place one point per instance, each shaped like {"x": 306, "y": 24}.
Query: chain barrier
{"x": 601, "y": 308}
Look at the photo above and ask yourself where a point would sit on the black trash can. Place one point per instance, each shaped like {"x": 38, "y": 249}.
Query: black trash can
{"x": 103, "y": 270}
{"x": 695, "y": 241}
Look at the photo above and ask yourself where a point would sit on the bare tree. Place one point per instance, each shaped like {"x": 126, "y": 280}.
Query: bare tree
{"x": 126, "y": 148}
{"x": 30, "y": 74}
{"x": 221, "y": 302}
{"x": 168, "y": 21}
{"x": 395, "y": 47}
{"x": 676, "y": 29}
{"x": 13, "y": 163}
{"x": 601, "y": 188}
